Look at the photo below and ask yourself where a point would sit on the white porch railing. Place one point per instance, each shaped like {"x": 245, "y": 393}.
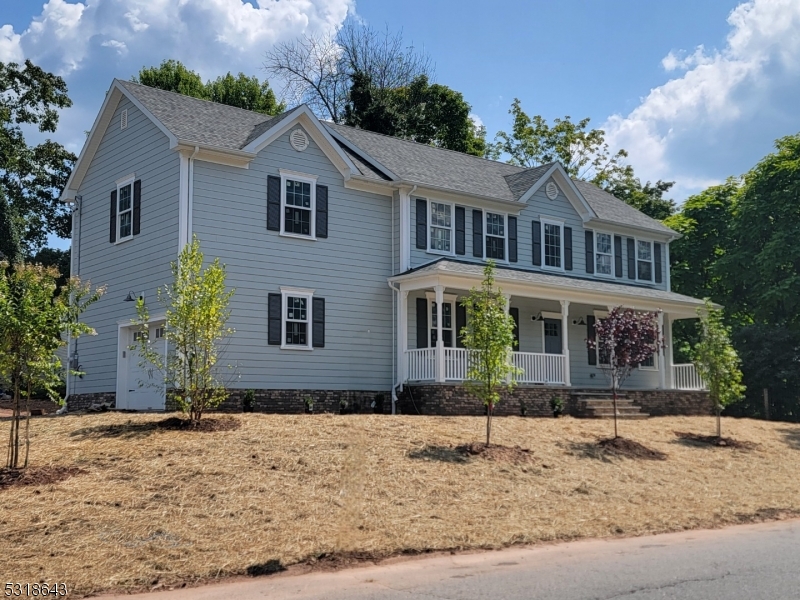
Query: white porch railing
{"x": 421, "y": 364}
{"x": 539, "y": 368}
{"x": 686, "y": 377}
{"x": 534, "y": 367}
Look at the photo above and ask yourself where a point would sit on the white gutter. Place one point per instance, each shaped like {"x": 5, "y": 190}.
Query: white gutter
{"x": 398, "y": 382}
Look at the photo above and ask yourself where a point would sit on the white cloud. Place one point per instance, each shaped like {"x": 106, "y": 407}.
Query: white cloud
{"x": 10, "y": 50}
{"x": 690, "y": 128}
{"x": 476, "y": 119}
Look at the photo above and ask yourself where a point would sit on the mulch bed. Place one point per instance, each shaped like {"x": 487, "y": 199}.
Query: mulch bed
{"x": 36, "y": 476}
{"x": 515, "y": 455}
{"x": 712, "y": 440}
{"x": 205, "y": 424}
{"x": 38, "y": 407}
{"x": 624, "y": 447}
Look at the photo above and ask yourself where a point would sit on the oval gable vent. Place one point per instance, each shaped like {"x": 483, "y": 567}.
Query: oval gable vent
{"x": 551, "y": 190}
{"x": 299, "y": 140}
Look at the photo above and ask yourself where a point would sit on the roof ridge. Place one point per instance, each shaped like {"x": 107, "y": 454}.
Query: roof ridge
{"x": 392, "y": 137}
{"x": 228, "y": 106}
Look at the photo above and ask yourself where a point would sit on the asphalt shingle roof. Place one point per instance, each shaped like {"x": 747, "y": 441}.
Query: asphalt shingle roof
{"x": 229, "y": 128}
{"x": 447, "y": 266}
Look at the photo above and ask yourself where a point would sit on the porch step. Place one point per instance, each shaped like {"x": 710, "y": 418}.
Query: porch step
{"x": 603, "y": 408}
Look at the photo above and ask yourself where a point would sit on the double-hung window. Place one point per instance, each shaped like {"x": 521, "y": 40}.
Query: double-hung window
{"x": 441, "y": 229}
{"x": 604, "y": 253}
{"x": 495, "y": 236}
{"x": 298, "y": 203}
{"x": 644, "y": 260}
{"x": 296, "y": 319}
{"x": 448, "y": 320}
{"x": 553, "y": 244}
{"x": 125, "y": 210}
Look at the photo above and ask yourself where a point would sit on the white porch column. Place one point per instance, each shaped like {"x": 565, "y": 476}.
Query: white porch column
{"x": 439, "y": 289}
{"x": 565, "y": 341}
{"x": 402, "y": 338}
{"x": 669, "y": 358}
{"x": 662, "y": 367}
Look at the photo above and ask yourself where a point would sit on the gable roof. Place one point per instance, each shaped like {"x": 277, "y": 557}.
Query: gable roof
{"x": 613, "y": 210}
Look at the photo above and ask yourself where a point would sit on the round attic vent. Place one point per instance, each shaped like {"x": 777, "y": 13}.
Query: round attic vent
{"x": 299, "y": 140}
{"x": 551, "y": 189}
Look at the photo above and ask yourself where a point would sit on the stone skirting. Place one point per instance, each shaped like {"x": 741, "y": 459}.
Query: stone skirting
{"x": 294, "y": 401}
{"x": 78, "y": 402}
{"x": 454, "y": 400}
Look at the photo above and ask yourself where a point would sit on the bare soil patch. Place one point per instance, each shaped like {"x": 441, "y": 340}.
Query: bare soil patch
{"x": 36, "y": 476}
{"x": 712, "y": 440}
{"x": 496, "y": 452}
{"x": 163, "y": 507}
{"x": 38, "y": 407}
{"x": 620, "y": 446}
{"x": 211, "y": 424}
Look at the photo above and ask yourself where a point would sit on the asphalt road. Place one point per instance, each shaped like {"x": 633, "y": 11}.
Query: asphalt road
{"x": 750, "y": 562}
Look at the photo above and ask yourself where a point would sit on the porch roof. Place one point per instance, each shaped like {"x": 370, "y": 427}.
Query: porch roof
{"x": 451, "y": 273}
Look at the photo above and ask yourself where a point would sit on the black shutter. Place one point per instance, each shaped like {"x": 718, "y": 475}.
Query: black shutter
{"x": 568, "y": 248}
{"x": 461, "y": 226}
{"x": 318, "y": 322}
{"x": 657, "y": 261}
{"x": 514, "y": 312}
{"x": 461, "y": 322}
{"x": 274, "y": 319}
{"x": 422, "y": 224}
{"x": 618, "y": 255}
{"x": 512, "y": 239}
{"x": 137, "y": 206}
{"x": 631, "y": 259}
{"x": 112, "y": 228}
{"x": 536, "y": 229}
{"x": 589, "y": 251}
{"x": 322, "y": 215}
{"x": 477, "y": 233}
{"x": 590, "y": 335}
{"x": 274, "y": 203}
{"x": 422, "y": 323}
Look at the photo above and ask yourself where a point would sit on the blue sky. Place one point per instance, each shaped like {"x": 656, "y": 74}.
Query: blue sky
{"x": 694, "y": 90}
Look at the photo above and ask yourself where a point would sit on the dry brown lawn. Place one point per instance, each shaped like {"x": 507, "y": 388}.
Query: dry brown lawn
{"x": 155, "y": 507}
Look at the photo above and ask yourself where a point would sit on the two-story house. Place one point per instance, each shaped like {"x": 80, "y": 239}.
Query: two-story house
{"x": 349, "y": 252}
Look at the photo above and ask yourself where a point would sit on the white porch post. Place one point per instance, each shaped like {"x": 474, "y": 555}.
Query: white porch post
{"x": 402, "y": 338}
{"x": 565, "y": 341}
{"x": 669, "y": 358}
{"x": 662, "y": 367}
{"x": 439, "y": 289}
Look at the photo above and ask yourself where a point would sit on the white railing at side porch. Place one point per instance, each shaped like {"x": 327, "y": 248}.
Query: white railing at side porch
{"x": 686, "y": 377}
{"x": 534, "y": 367}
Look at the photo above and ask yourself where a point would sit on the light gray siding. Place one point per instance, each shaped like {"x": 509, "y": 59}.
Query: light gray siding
{"x": 140, "y": 264}
{"x": 540, "y": 206}
{"x": 349, "y": 270}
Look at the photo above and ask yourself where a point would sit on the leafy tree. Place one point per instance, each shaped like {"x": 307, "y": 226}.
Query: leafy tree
{"x": 489, "y": 336}
{"x": 420, "y": 111}
{"x": 33, "y": 176}
{"x": 319, "y": 70}
{"x": 623, "y": 340}
{"x": 32, "y": 320}
{"x": 53, "y": 257}
{"x": 648, "y": 198}
{"x": 717, "y": 361}
{"x": 196, "y": 305}
{"x": 10, "y": 244}
{"x": 240, "y": 91}
{"x": 762, "y": 266}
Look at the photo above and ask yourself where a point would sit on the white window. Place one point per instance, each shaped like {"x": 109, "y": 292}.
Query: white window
{"x": 448, "y": 320}
{"x": 441, "y": 229}
{"x": 298, "y": 204}
{"x": 644, "y": 260}
{"x": 495, "y": 236}
{"x": 125, "y": 210}
{"x": 604, "y": 253}
{"x": 650, "y": 364}
{"x": 296, "y": 319}
{"x": 553, "y": 245}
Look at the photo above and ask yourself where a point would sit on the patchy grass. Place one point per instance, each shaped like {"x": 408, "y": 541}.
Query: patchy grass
{"x": 154, "y": 506}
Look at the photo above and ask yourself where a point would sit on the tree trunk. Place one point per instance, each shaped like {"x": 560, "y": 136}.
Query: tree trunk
{"x": 27, "y": 427}
{"x": 488, "y": 424}
{"x": 719, "y": 419}
{"x": 614, "y": 396}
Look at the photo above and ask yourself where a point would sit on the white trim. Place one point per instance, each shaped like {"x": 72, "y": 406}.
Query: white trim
{"x": 405, "y": 228}
{"x": 123, "y": 180}
{"x": 446, "y": 299}
{"x": 575, "y": 197}
{"x": 430, "y": 226}
{"x": 667, "y": 267}
{"x": 652, "y": 261}
{"x": 183, "y": 202}
{"x": 297, "y": 293}
{"x": 485, "y": 229}
{"x": 311, "y": 180}
{"x": 550, "y": 221}
{"x": 123, "y": 183}
{"x": 595, "y": 252}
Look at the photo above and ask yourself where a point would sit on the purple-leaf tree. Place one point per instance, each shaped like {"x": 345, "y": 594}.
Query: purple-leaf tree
{"x": 623, "y": 340}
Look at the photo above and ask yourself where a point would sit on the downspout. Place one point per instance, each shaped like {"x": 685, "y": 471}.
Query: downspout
{"x": 190, "y": 206}
{"x": 398, "y": 381}
{"x": 75, "y": 270}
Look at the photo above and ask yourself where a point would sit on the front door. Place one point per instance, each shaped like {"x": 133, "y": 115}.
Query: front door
{"x": 552, "y": 336}
{"x": 145, "y": 383}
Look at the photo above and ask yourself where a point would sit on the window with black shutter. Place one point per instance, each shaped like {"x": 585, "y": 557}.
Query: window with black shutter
{"x": 125, "y": 211}
{"x": 477, "y": 233}
{"x": 512, "y": 239}
{"x": 300, "y": 320}
{"x": 297, "y": 206}
{"x": 536, "y": 229}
